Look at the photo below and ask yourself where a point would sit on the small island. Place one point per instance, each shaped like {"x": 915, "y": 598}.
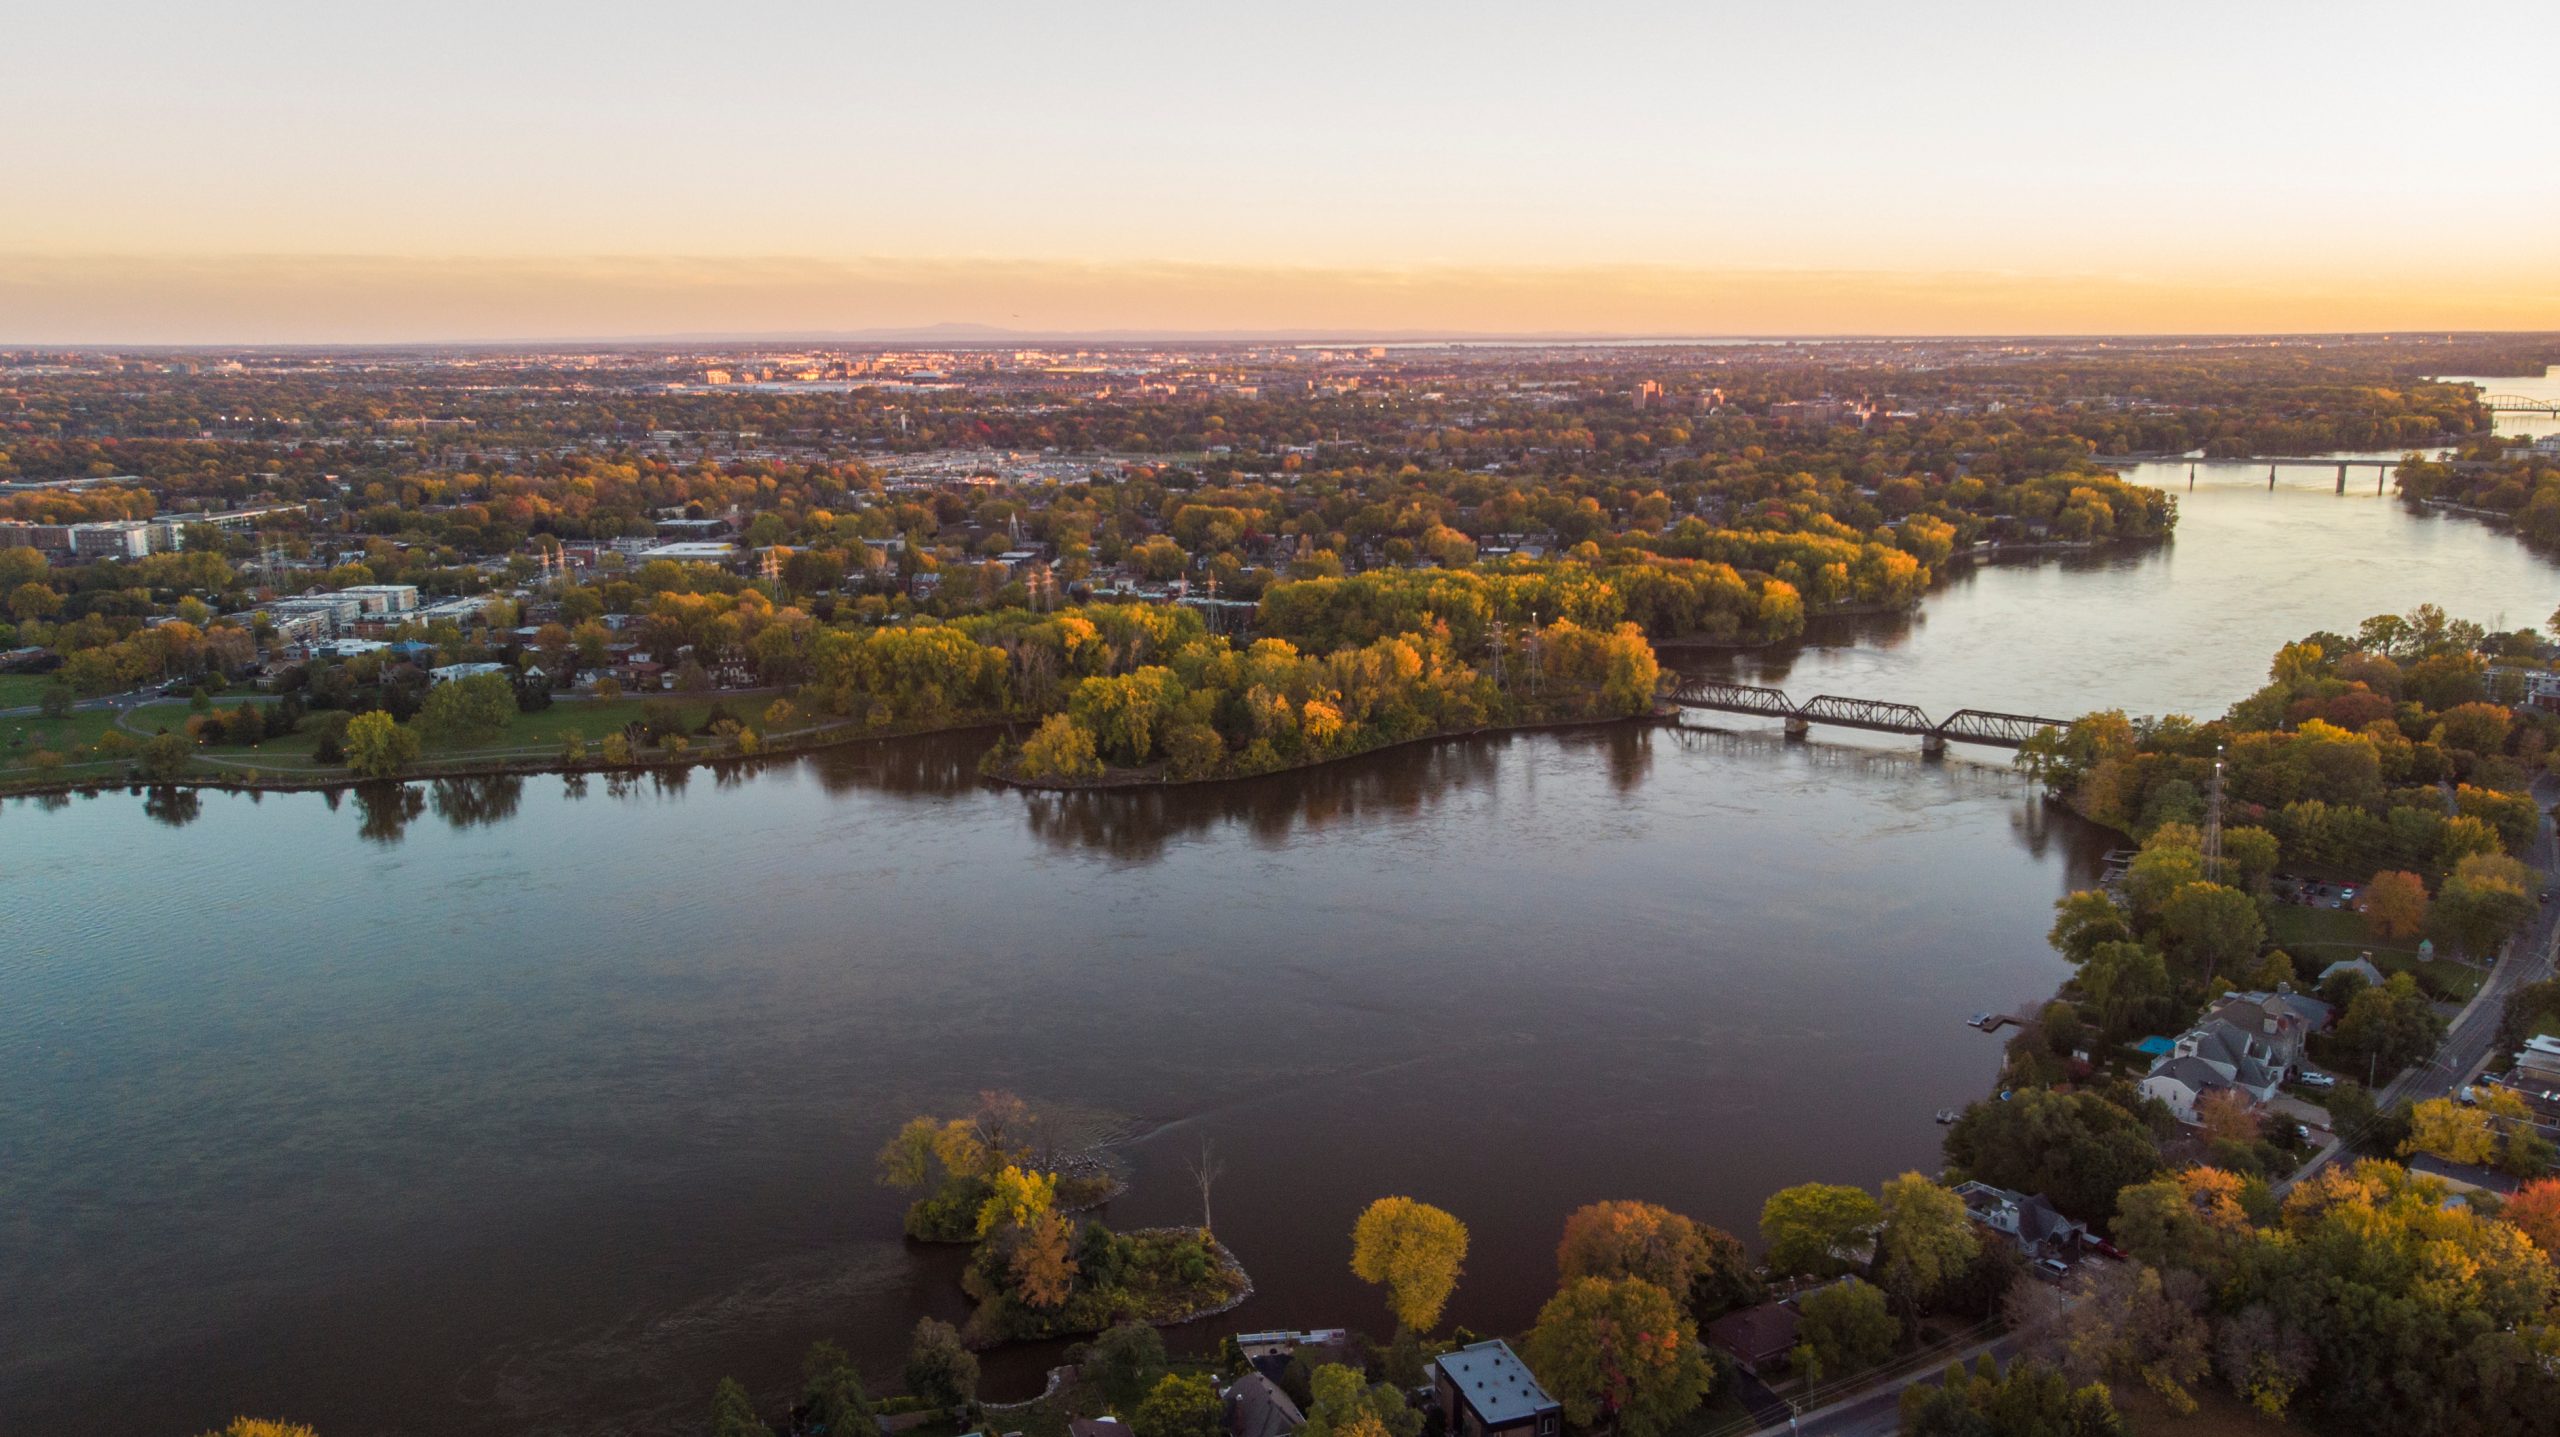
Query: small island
{"x": 1035, "y": 1273}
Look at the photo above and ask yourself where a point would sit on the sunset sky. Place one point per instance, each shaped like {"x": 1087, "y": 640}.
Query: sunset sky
{"x": 261, "y": 172}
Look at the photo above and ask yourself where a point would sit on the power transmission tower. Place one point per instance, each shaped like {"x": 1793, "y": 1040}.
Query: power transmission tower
{"x": 2213, "y": 823}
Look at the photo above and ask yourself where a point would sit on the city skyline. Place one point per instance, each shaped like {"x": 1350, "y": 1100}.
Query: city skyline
{"x": 292, "y": 173}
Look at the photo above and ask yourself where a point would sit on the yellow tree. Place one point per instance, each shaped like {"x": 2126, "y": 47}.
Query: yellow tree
{"x": 2450, "y": 1131}
{"x": 1415, "y": 1251}
{"x": 2395, "y": 904}
{"x": 1019, "y": 1198}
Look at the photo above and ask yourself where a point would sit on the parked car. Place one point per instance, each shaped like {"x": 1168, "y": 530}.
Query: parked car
{"x": 2053, "y": 1267}
{"x": 2321, "y": 1081}
{"x": 2105, "y": 1248}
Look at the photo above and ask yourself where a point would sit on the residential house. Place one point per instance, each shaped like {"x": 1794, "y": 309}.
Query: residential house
{"x": 1759, "y": 1338}
{"x": 2182, "y": 1082}
{"x": 2361, "y": 967}
{"x": 2220, "y": 1053}
{"x": 2282, "y": 1019}
{"x": 2537, "y": 1064}
{"x": 1487, "y": 1391}
{"x": 1256, "y": 1407}
{"x": 2027, "y": 1219}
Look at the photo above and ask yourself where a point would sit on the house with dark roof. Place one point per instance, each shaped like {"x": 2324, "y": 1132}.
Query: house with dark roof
{"x": 1487, "y": 1391}
{"x": 2027, "y": 1219}
{"x": 1759, "y": 1338}
{"x": 1256, "y": 1407}
{"x": 2182, "y": 1082}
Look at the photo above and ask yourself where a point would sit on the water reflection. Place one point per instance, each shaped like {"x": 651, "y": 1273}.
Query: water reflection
{"x": 176, "y": 807}
{"x": 477, "y": 802}
{"x": 386, "y": 810}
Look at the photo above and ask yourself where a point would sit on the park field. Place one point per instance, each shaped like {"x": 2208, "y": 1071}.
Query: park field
{"x": 2318, "y": 937}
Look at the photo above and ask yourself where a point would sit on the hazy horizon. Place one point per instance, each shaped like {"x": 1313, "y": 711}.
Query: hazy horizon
{"x": 403, "y": 173}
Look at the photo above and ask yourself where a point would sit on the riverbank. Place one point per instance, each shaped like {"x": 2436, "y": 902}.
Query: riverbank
{"x": 1159, "y": 776}
{"x": 1163, "y": 1282}
{"x": 227, "y": 773}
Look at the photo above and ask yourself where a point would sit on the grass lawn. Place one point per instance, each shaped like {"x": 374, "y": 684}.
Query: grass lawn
{"x": 2318, "y": 937}
{"x": 18, "y": 691}
{"x": 524, "y": 736}
{"x": 594, "y": 719}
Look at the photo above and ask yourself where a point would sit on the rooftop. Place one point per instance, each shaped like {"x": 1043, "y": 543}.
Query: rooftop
{"x": 1496, "y": 1383}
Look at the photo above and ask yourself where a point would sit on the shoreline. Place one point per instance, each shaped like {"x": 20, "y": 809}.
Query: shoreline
{"x": 252, "y": 778}
{"x": 1127, "y": 779}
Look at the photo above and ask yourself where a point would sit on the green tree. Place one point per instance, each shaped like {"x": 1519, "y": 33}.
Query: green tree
{"x": 733, "y": 1414}
{"x": 468, "y": 711}
{"x": 941, "y": 1370}
{"x": 2207, "y": 929}
{"x": 165, "y": 756}
{"x": 2077, "y": 1149}
{"x": 1811, "y": 1228}
{"x": 1342, "y": 1398}
{"x": 2085, "y": 920}
{"x": 1847, "y": 1326}
{"x": 2389, "y": 1027}
{"x": 1124, "y": 1363}
{"x": 1620, "y": 1353}
{"x": 377, "y": 746}
{"x": 1927, "y": 1237}
{"x": 2487, "y": 897}
{"x": 831, "y": 1393}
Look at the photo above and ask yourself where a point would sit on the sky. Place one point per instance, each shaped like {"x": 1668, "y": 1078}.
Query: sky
{"x": 258, "y": 172}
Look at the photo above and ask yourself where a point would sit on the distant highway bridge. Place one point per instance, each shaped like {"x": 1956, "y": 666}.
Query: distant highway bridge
{"x": 1979, "y": 726}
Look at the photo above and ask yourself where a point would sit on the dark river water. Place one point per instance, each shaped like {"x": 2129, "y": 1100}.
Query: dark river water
{"x": 539, "y": 1107}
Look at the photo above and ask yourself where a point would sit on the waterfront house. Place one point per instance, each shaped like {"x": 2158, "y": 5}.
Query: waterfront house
{"x": 2182, "y": 1082}
{"x": 1256, "y": 1407}
{"x": 2280, "y": 1020}
{"x": 1758, "y": 1338}
{"x": 2027, "y": 1219}
{"x": 1487, "y": 1391}
{"x": 2221, "y": 1053}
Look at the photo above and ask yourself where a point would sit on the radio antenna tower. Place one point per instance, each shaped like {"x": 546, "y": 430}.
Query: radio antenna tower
{"x": 2213, "y": 822}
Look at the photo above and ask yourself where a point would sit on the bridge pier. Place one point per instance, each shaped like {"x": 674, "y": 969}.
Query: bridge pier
{"x": 2271, "y": 478}
{"x": 1798, "y": 726}
{"x": 1933, "y": 744}
{"x": 2342, "y": 478}
{"x": 2191, "y": 477}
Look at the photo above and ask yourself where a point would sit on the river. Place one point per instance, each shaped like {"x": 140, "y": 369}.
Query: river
{"x": 539, "y": 1106}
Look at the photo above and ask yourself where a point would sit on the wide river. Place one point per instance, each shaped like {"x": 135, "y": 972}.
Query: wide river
{"x": 539, "y": 1107}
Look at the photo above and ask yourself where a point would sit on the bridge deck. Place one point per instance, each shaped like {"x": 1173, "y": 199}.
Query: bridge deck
{"x": 1977, "y": 726}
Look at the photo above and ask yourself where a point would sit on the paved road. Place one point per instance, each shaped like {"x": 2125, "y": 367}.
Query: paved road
{"x": 1877, "y": 1411}
{"x": 2474, "y": 1031}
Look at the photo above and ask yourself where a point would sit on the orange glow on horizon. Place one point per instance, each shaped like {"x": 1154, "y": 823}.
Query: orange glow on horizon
{"x": 144, "y": 299}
